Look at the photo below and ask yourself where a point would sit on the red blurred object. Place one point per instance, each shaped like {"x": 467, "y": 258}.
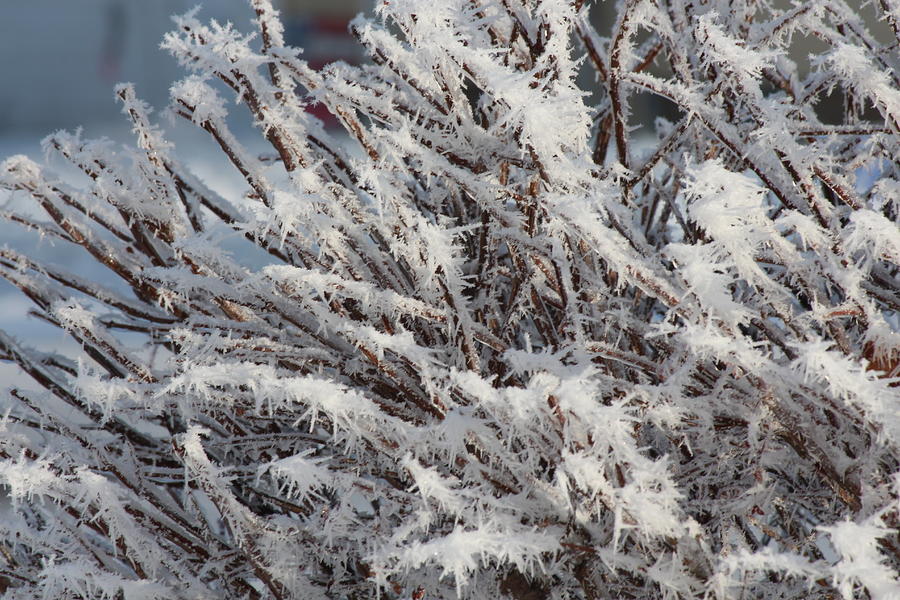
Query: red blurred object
{"x": 321, "y": 29}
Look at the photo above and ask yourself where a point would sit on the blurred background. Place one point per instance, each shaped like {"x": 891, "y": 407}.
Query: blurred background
{"x": 61, "y": 58}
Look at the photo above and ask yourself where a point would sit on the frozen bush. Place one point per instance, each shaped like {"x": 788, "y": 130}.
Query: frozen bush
{"x": 500, "y": 346}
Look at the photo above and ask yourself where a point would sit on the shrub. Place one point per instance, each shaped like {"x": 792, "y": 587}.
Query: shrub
{"x": 500, "y": 346}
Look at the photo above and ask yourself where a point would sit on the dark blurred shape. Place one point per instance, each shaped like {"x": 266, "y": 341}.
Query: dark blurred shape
{"x": 113, "y": 41}
{"x": 320, "y": 27}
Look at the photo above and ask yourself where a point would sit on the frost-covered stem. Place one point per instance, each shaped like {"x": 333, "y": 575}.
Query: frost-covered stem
{"x": 622, "y": 31}
{"x": 891, "y": 12}
{"x": 271, "y": 33}
{"x": 733, "y": 145}
{"x": 591, "y": 40}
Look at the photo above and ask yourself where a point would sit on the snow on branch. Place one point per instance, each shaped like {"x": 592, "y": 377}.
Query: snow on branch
{"x": 502, "y": 335}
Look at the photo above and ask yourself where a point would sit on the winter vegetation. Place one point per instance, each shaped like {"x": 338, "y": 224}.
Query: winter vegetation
{"x": 491, "y": 341}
